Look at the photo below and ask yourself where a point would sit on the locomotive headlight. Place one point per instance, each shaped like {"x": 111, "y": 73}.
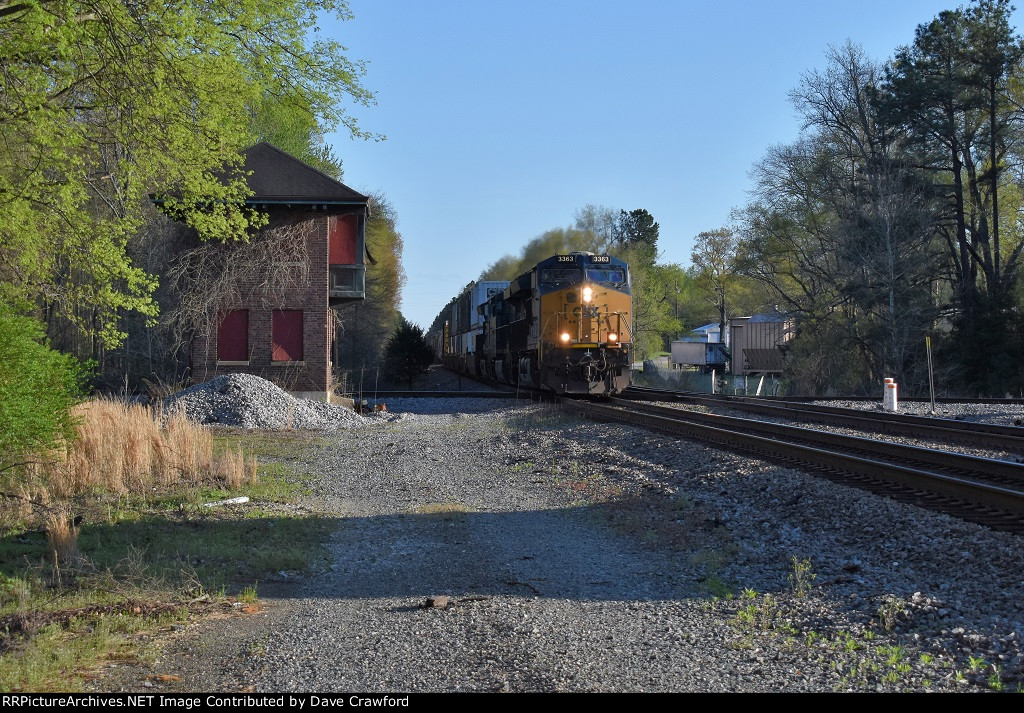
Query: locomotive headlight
{"x": 613, "y": 337}
{"x": 565, "y": 337}
{"x": 588, "y": 293}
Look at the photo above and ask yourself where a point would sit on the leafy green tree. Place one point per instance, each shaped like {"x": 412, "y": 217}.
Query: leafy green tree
{"x": 714, "y": 258}
{"x": 654, "y": 323}
{"x": 38, "y": 387}
{"x": 954, "y": 92}
{"x": 105, "y": 102}
{"x": 364, "y": 327}
{"x": 290, "y": 124}
{"x": 408, "y": 353}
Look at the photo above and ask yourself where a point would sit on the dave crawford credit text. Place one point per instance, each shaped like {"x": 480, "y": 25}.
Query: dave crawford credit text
{"x": 296, "y": 702}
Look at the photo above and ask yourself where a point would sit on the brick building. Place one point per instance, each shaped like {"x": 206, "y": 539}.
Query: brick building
{"x": 286, "y": 338}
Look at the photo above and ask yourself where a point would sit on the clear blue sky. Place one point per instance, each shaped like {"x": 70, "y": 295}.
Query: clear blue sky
{"x": 503, "y": 118}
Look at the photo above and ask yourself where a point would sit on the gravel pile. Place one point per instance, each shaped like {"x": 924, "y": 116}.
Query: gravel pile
{"x": 247, "y": 401}
{"x": 580, "y": 556}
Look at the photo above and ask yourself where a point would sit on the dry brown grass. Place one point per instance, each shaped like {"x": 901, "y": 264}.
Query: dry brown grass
{"x": 62, "y": 536}
{"x": 235, "y": 469}
{"x": 131, "y": 448}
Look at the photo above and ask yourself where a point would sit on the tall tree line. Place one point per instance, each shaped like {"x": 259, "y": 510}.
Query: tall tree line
{"x": 105, "y": 103}
{"x": 897, "y": 212}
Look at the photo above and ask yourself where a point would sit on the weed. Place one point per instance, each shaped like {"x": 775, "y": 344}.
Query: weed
{"x": 889, "y": 611}
{"x": 893, "y": 654}
{"x": 248, "y": 595}
{"x": 927, "y": 658}
{"x": 747, "y": 616}
{"x": 975, "y": 663}
{"x": 847, "y": 641}
{"x": 995, "y": 679}
{"x": 769, "y": 609}
{"x": 62, "y": 536}
{"x": 801, "y": 578}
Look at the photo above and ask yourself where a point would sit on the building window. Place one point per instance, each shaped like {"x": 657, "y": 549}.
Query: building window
{"x": 233, "y": 336}
{"x": 342, "y": 239}
{"x": 286, "y": 333}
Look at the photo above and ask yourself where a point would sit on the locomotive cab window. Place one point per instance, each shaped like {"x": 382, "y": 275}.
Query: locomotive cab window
{"x": 560, "y": 274}
{"x": 604, "y": 274}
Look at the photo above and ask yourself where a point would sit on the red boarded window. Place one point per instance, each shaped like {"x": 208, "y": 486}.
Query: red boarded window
{"x": 233, "y": 336}
{"x": 342, "y": 240}
{"x": 287, "y": 335}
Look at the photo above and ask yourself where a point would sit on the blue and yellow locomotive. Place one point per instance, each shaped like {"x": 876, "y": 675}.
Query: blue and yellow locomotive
{"x": 564, "y": 325}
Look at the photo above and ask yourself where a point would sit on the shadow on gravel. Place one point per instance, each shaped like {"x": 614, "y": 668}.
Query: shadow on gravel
{"x": 584, "y": 552}
{"x": 568, "y": 553}
{"x": 444, "y": 406}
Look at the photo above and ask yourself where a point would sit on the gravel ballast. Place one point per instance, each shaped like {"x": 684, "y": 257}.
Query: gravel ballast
{"x": 566, "y": 555}
{"x": 1005, "y": 414}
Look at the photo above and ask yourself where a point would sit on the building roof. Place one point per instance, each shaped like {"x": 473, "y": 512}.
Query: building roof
{"x": 713, "y": 327}
{"x": 769, "y": 317}
{"x": 279, "y": 177}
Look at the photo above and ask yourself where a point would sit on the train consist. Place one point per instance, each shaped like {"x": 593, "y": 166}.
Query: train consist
{"x": 564, "y": 325}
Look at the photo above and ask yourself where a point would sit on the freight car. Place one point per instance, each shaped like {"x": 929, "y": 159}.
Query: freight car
{"x": 564, "y": 325}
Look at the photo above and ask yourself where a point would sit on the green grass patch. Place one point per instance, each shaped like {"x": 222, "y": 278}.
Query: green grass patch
{"x": 276, "y": 445}
{"x": 56, "y": 656}
{"x": 143, "y": 560}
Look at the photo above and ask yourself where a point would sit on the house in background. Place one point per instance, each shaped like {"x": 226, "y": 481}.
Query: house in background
{"x": 702, "y": 349}
{"x": 756, "y": 343}
{"x": 287, "y": 338}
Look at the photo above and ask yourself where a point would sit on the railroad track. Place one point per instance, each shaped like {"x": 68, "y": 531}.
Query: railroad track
{"x": 914, "y": 399}
{"x": 984, "y": 490}
{"x": 977, "y": 434}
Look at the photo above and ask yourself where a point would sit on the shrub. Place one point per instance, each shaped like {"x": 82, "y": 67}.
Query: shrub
{"x": 408, "y": 354}
{"x": 38, "y": 388}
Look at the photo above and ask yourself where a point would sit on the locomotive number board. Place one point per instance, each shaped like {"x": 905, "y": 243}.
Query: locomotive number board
{"x": 593, "y": 258}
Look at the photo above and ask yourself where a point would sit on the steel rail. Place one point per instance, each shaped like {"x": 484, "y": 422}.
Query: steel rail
{"x": 878, "y": 399}
{"x": 951, "y": 461}
{"x": 978, "y": 434}
{"x": 1008, "y": 500}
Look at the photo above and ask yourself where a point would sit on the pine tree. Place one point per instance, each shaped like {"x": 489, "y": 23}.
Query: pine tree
{"x": 408, "y": 354}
